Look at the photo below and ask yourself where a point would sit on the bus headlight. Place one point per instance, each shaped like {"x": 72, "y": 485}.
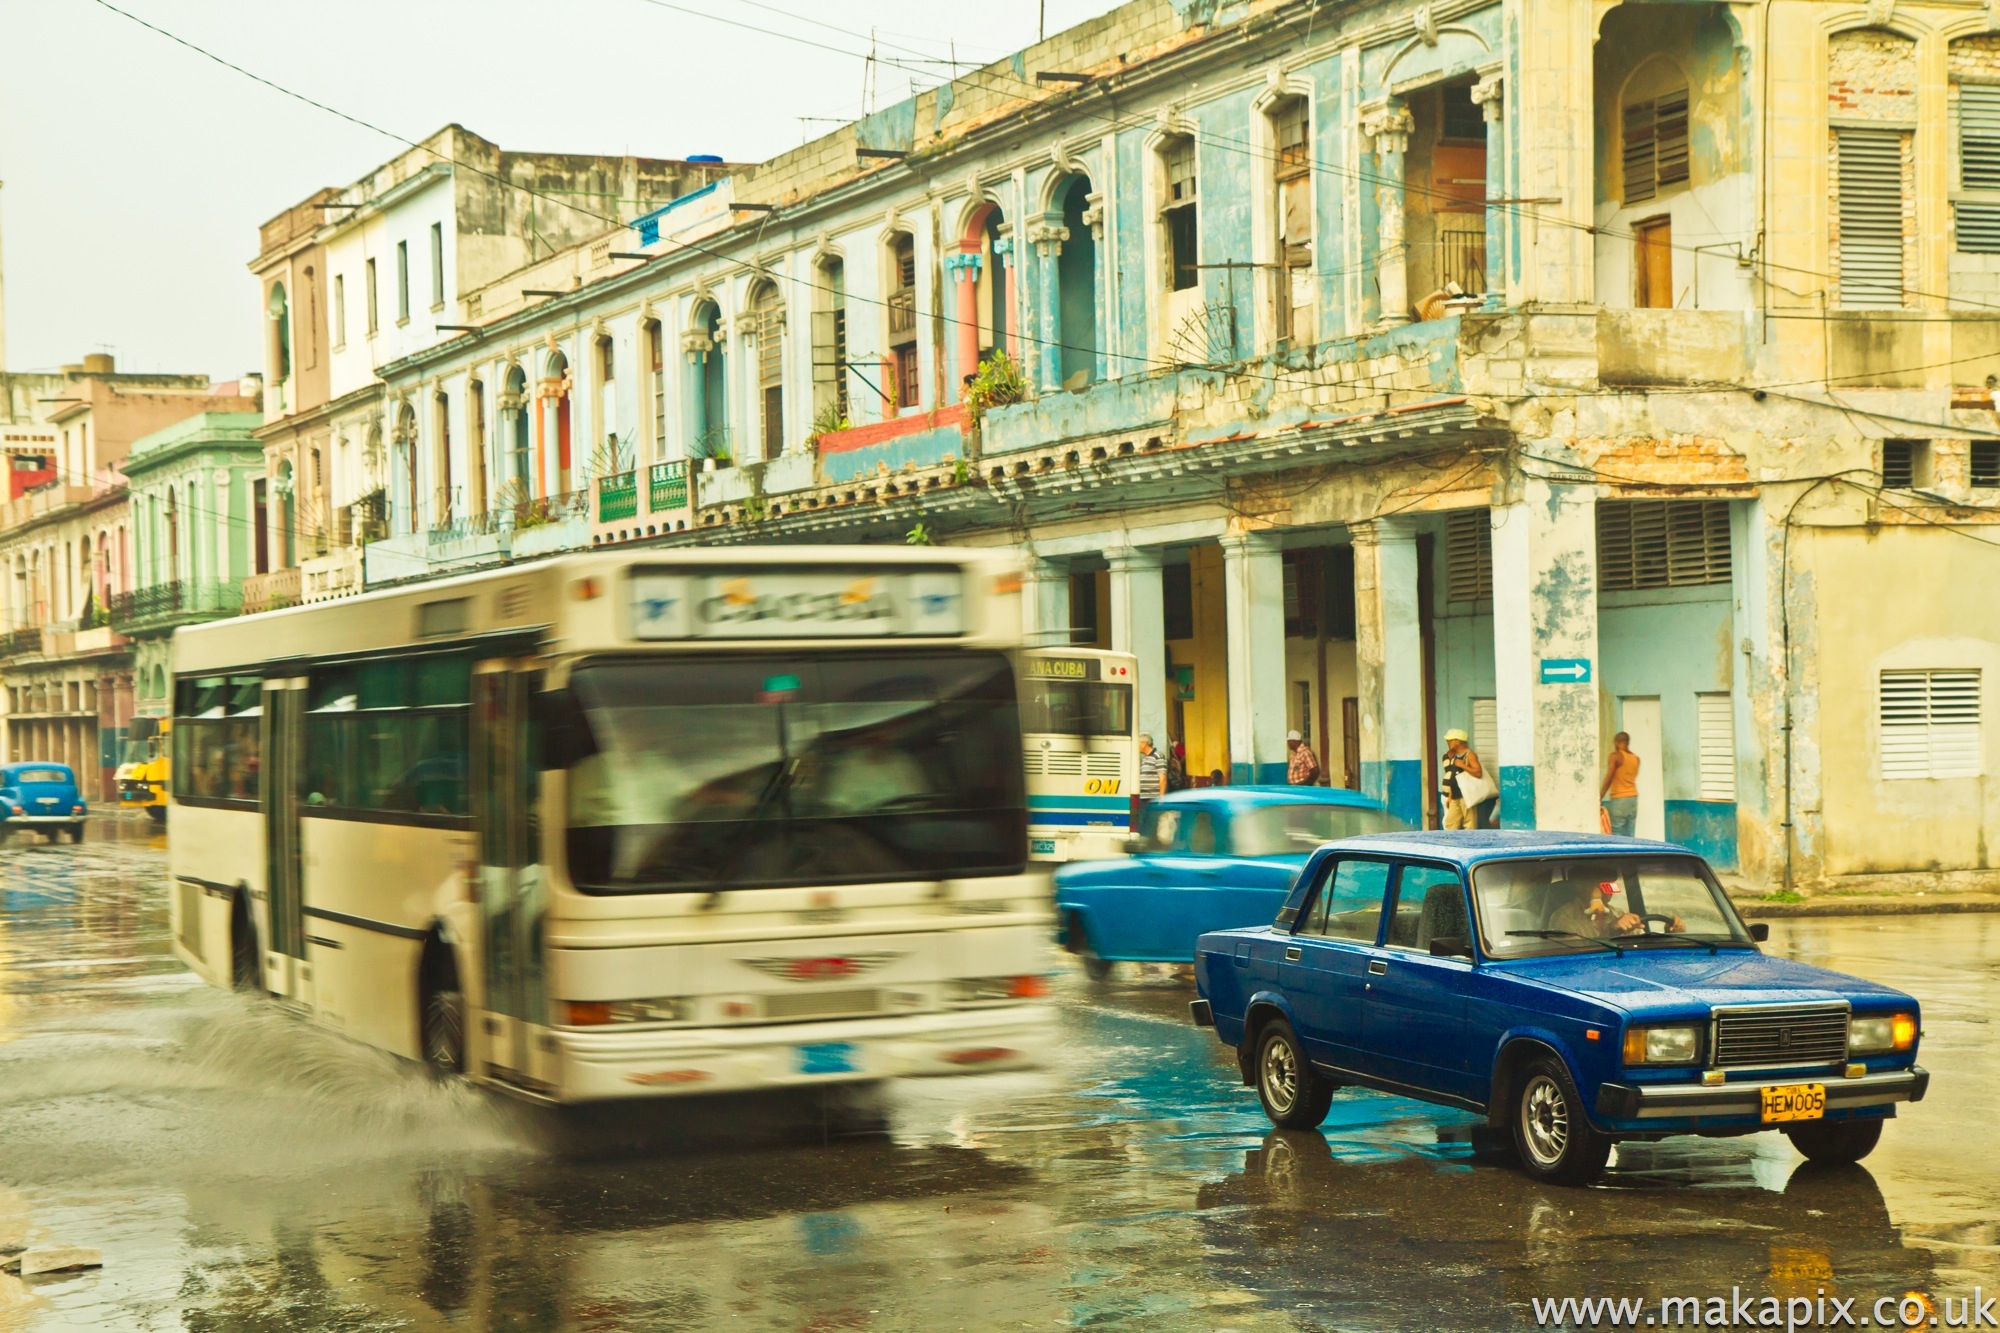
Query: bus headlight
{"x": 1874, "y": 1034}
{"x": 996, "y": 990}
{"x": 599, "y": 1013}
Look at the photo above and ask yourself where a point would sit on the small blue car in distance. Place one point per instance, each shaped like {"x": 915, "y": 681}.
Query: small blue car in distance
{"x": 38, "y": 795}
{"x": 1576, "y": 989}
{"x": 1205, "y": 859}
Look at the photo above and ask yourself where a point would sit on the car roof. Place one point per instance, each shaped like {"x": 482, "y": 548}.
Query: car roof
{"x": 11, "y": 768}
{"x": 1468, "y": 847}
{"x": 1249, "y": 798}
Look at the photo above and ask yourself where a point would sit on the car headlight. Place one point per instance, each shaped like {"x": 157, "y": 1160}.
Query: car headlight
{"x": 1662, "y": 1046}
{"x": 1875, "y": 1034}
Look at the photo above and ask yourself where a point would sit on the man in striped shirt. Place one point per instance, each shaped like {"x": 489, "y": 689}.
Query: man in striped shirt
{"x": 1152, "y": 769}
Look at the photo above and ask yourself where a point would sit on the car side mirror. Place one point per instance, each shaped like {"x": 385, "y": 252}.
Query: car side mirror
{"x": 1449, "y": 947}
{"x": 1133, "y": 846}
{"x": 1760, "y": 931}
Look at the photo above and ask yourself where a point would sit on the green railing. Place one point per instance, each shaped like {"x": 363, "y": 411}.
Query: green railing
{"x": 667, "y": 486}
{"x": 617, "y": 497}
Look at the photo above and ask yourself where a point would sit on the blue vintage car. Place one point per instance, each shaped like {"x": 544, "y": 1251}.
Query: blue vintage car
{"x": 1578, "y": 990}
{"x": 1206, "y": 859}
{"x": 38, "y": 795}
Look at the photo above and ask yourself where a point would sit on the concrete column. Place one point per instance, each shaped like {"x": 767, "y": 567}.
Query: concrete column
{"x": 1390, "y": 127}
{"x": 1490, "y": 94}
{"x": 962, "y": 270}
{"x": 1544, "y": 621}
{"x": 1045, "y": 603}
{"x": 1047, "y": 234}
{"x": 1139, "y": 627}
{"x": 1389, "y": 666}
{"x": 1253, "y": 580}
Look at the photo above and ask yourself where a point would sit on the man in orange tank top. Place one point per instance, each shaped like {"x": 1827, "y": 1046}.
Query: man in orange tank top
{"x": 1621, "y": 786}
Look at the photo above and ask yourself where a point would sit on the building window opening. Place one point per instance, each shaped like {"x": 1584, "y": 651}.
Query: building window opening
{"x": 437, "y": 265}
{"x": 607, "y": 394}
{"x": 767, "y": 322}
{"x": 711, "y": 424}
{"x": 995, "y": 287}
{"x": 475, "y": 447}
{"x": 904, "y": 386}
{"x": 279, "y": 311}
{"x": 1976, "y": 222}
{"x": 1661, "y": 544}
{"x": 830, "y": 347}
{"x": 441, "y": 500}
{"x": 1655, "y": 144}
{"x": 1869, "y": 172}
{"x": 1445, "y": 197}
{"x": 309, "y": 335}
{"x": 1179, "y": 223}
{"x": 1930, "y": 724}
{"x": 1076, "y": 283}
{"x": 555, "y": 393}
{"x": 1293, "y": 206}
{"x": 402, "y": 281}
{"x": 1986, "y": 463}
{"x": 1906, "y": 464}
{"x": 339, "y": 311}
{"x": 656, "y": 356}
{"x": 369, "y": 294}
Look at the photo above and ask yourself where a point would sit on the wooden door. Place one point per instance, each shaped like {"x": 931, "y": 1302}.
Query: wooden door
{"x": 1653, "y": 264}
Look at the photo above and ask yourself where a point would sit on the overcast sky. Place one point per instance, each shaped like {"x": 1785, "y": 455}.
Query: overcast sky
{"x": 136, "y": 172}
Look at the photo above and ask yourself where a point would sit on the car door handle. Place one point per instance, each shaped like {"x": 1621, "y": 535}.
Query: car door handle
{"x": 1293, "y": 954}
{"x": 1378, "y": 967}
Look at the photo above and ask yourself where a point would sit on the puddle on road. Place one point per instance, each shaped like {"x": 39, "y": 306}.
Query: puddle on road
{"x": 242, "y": 1170}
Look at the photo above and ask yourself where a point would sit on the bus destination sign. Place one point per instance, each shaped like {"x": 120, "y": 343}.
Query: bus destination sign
{"x": 797, "y": 604}
{"x": 1060, "y": 668}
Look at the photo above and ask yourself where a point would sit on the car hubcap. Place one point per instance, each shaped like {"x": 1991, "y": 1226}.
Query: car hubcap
{"x": 1545, "y": 1118}
{"x": 1281, "y": 1075}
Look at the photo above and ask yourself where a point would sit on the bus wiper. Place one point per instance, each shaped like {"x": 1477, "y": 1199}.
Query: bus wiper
{"x": 1568, "y": 935}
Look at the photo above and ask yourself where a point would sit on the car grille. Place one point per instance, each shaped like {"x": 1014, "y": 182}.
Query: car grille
{"x": 1781, "y": 1036}
{"x": 822, "y": 1004}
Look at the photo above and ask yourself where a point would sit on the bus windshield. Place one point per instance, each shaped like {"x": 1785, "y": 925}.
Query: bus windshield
{"x": 1076, "y": 708}
{"x": 695, "y": 775}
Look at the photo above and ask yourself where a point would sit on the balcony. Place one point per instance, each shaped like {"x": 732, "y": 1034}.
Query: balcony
{"x": 618, "y": 497}
{"x": 551, "y": 524}
{"x": 21, "y": 643}
{"x": 667, "y": 487}
{"x": 271, "y": 592}
{"x": 325, "y": 578}
{"x": 619, "y": 515}
{"x": 921, "y": 439}
{"x": 166, "y": 605}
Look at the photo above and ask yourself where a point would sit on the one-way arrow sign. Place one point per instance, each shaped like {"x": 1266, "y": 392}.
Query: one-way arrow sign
{"x": 1565, "y": 671}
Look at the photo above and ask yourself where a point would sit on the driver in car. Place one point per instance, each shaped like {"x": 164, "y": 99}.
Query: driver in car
{"x": 1589, "y": 913}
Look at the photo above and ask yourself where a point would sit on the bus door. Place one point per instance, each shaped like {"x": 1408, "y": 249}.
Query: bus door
{"x": 285, "y": 968}
{"x": 513, "y": 899}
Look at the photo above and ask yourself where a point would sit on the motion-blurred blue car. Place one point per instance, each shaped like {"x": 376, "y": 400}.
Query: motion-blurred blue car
{"x": 38, "y": 795}
{"x": 1577, "y": 989}
{"x": 1207, "y": 859}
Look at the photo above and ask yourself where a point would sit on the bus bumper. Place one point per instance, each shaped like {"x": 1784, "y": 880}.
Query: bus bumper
{"x": 601, "y": 1066}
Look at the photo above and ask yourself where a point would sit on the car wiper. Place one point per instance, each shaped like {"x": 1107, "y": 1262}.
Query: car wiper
{"x": 1567, "y": 935}
{"x": 1681, "y": 938}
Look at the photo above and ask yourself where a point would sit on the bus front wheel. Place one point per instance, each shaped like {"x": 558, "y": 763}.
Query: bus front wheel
{"x": 443, "y": 1012}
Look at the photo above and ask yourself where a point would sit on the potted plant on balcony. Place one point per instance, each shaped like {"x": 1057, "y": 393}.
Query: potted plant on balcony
{"x": 997, "y": 383}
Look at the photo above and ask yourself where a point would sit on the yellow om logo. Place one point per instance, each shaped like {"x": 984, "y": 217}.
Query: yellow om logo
{"x": 1101, "y": 787}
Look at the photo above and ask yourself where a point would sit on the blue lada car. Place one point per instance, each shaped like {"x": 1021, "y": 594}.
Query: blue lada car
{"x": 1578, "y": 990}
{"x": 40, "y": 796}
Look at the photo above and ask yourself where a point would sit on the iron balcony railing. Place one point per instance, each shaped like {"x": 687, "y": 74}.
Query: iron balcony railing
{"x": 552, "y": 509}
{"x": 617, "y": 497}
{"x": 21, "y": 642}
{"x": 667, "y": 486}
{"x": 180, "y": 598}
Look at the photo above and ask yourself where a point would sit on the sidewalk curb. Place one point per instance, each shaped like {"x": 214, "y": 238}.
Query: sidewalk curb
{"x": 1756, "y": 909}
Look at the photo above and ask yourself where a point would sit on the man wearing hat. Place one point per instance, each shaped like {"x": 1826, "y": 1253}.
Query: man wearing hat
{"x": 1302, "y": 769}
{"x": 1460, "y": 761}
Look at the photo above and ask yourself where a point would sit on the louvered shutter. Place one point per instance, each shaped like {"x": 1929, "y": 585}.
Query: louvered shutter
{"x": 1930, "y": 724}
{"x": 1871, "y": 217}
{"x": 1468, "y": 556}
{"x": 1715, "y": 733}
{"x": 1486, "y": 735}
{"x": 1977, "y": 225}
{"x": 1670, "y": 139}
{"x": 1640, "y": 181}
{"x": 1662, "y": 544}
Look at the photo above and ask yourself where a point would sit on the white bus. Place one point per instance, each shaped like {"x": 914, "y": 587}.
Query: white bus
{"x": 623, "y": 825}
{"x": 1080, "y": 746}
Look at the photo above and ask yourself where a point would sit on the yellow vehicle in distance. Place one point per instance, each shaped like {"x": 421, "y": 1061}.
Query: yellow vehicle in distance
{"x": 145, "y": 770}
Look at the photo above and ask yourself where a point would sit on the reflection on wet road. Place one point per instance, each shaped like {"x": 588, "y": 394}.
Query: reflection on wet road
{"x": 242, "y": 1171}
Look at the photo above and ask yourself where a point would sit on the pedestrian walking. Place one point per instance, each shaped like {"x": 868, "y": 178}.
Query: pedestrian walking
{"x": 1621, "y": 786}
{"x": 1152, "y": 770}
{"x": 1302, "y": 766}
{"x": 1463, "y": 784}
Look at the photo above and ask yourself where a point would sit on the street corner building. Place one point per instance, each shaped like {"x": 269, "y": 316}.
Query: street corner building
{"x": 1539, "y": 369}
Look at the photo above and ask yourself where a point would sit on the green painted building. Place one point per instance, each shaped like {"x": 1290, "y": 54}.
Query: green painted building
{"x": 193, "y": 538}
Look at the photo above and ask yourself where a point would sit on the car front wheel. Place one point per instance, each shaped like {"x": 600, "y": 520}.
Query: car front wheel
{"x": 1836, "y": 1142}
{"x": 1295, "y": 1095}
{"x": 1557, "y": 1143}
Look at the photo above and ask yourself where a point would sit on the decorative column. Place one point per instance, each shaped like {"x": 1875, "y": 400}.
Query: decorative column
{"x": 1389, "y": 126}
{"x": 1104, "y": 301}
{"x": 1545, "y": 655}
{"x": 1490, "y": 94}
{"x": 1139, "y": 627}
{"x": 963, "y": 272}
{"x": 1045, "y": 603}
{"x": 1047, "y": 235}
{"x": 1253, "y": 576}
{"x": 1389, "y": 660}
{"x": 1005, "y": 274}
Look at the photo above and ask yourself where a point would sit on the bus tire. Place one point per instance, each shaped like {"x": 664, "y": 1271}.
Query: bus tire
{"x": 158, "y": 814}
{"x": 441, "y": 1011}
{"x": 246, "y": 971}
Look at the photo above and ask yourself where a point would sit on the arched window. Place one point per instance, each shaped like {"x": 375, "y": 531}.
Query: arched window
{"x": 518, "y": 445}
{"x": 556, "y": 419}
{"x": 1076, "y": 284}
{"x": 711, "y": 414}
{"x": 279, "y": 311}
{"x": 404, "y": 442}
{"x": 767, "y": 325}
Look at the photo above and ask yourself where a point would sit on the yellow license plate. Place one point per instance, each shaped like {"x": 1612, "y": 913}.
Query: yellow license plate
{"x": 1798, "y": 1101}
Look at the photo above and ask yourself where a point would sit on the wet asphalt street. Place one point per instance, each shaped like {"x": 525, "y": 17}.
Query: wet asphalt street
{"x": 242, "y": 1171}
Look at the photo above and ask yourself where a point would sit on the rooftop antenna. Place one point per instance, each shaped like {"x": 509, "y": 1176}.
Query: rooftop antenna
{"x": 1042, "y": 21}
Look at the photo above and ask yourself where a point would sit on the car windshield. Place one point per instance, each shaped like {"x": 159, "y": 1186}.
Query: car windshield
{"x": 1287, "y": 830}
{"x": 1567, "y": 904}
{"x": 760, "y": 772}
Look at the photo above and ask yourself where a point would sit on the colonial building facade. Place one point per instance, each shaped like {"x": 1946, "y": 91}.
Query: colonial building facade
{"x": 1540, "y": 369}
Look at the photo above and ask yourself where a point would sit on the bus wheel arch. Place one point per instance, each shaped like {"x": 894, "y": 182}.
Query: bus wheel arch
{"x": 440, "y": 1006}
{"x": 246, "y": 962}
